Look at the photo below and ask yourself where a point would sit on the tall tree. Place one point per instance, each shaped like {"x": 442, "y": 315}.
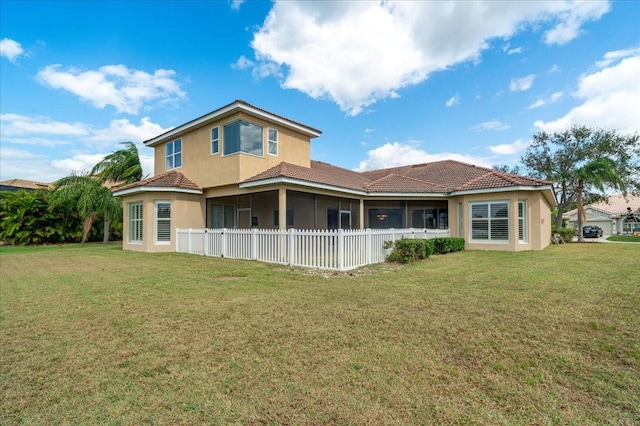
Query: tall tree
{"x": 597, "y": 174}
{"x": 121, "y": 166}
{"x": 92, "y": 200}
{"x": 569, "y": 159}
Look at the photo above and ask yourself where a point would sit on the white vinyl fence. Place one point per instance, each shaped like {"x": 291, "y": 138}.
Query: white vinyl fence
{"x": 339, "y": 249}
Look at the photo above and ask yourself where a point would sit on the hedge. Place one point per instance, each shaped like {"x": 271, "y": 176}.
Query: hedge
{"x": 407, "y": 250}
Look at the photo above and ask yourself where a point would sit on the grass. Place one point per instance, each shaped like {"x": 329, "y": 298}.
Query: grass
{"x": 624, "y": 238}
{"x": 94, "y": 335}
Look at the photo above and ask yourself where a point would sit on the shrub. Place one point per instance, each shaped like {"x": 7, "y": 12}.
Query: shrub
{"x": 566, "y": 234}
{"x": 447, "y": 245}
{"x": 407, "y": 250}
{"x": 410, "y": 250}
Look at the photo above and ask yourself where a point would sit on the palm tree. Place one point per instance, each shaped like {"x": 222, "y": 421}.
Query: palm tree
{"x": 121, "y": 166}
{"x": 92, "y": 199}
{"x": 598, "y": 174}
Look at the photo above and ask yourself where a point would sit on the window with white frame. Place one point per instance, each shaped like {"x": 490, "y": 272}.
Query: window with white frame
{"x": 163, "y": 222}
{"x": 215, "y": 140}
{"x": 522, "y": 221}
{"x": 242, "y": 136}
{"x": 273, "y": 142}
{"x": 135, "y": 222}
{"x": 173, "y": 154}
{"x": 490, "y": 221}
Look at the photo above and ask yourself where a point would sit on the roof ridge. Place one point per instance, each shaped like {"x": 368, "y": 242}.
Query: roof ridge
{"x": 175, "y": 178}
{"x": 504, "y": 175}
{"x": 390, "y": 175}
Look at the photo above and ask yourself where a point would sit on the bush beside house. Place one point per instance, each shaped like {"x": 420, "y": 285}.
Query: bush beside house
{"x": 407, "y": 250}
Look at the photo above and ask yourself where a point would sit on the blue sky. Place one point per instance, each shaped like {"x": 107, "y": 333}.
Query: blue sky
{"x": 388, "y": 83}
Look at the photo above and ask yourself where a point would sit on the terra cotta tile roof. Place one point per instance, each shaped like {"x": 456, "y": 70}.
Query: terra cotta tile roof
{"x": 170, "y": 179}
{"x": 437, "y": 177}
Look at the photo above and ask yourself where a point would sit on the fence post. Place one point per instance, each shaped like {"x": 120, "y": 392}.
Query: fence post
{"x": 368, "y": 243}
{"x": 205, "y": 242}
{"x": 340, "y": 249}
{"x": 291, "y": 246}
{"x": 254, "y": 244}
{"x": 223, "y": 243}
{"x": 189, "y": 248}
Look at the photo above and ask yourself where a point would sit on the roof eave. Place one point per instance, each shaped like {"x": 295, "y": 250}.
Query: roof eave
{"x": 547, "y": 191}
{"x": 300, "y": 182}
{"x": 141, "y": 189}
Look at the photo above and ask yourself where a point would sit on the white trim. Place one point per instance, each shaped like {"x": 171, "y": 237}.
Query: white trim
{"x": 501, "y": 189}
{"x": 218, "y": 139}
{"x": 139, "y": 221}
{"x": 155, "y": 222}
{"x": 286, "y": 180}
{"x": 138, "y": 189}
{"x": 173, "y": 155}
{"x": 489, "y": 219}
{"x": 276, "y": 141}
{"x": 236, "y": 106}
{"x": 293, "y": 181}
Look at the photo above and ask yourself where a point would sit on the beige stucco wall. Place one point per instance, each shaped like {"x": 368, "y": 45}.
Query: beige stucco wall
{"x": 207, "y": 170}
{"x": 187, "y": 211}
{"x": 538, "y": 223}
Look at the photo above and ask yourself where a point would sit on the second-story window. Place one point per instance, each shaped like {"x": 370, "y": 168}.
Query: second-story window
{"x": 215, "y": 141}
{"x": 173, "y": 153}
{"x": 241, "y": 136}
{"x": 273, "y": 142}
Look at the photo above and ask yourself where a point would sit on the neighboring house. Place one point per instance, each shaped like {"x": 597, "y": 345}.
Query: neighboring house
{"x": 616, "y": 215}
{"x": 18, "y": 184}
{"x": 243, "y": 167}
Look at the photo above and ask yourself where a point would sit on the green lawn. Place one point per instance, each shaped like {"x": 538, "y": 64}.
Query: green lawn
{"x": 95, "y": 335}
{"x": 624, "y": 238}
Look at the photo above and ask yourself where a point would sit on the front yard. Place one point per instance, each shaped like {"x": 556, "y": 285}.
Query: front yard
{"x": 95, "y": 335}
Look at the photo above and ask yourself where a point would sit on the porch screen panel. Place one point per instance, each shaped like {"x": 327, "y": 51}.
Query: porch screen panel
{"x": 222, "y": 216}
{"x": 386, "y": 218}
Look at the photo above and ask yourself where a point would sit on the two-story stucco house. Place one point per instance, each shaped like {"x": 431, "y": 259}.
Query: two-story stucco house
{"x": 243, "y": 167}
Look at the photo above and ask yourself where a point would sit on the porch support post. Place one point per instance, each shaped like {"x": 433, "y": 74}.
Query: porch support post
{"x": 282, "y": 208}
{"x": 361, "y": 213}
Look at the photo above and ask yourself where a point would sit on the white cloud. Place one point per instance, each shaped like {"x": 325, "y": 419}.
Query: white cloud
{"x": 491, "y": 125}
{"x": 24, "y": 164}
{"x": 126, "y": 90}
{"x": 80, "y": 163}
{"x": 357, "y": 53}
{"x": 553, "y": 69}
{"x": 511, "y": 51}
{"x": 509, "y": 148}
{"x": 615, "y": 55}
{"x": 16, "y": 128}
{"x": 610, "y": 98}
{"x": 399, "y": 154}
{"x": 570, "y": 21}
{"x": 19, "y": 125}
{"x": 88, "y": 145}
{"x": 454, "y": 100}
{"x": 122, "y": 130}
{"x": 242, "y": 63}
{"x": 522, "y": 84}
{"x": 551, "y": 99}
{"x": 11, "y": 49}
{"x": 235, "y": 4}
